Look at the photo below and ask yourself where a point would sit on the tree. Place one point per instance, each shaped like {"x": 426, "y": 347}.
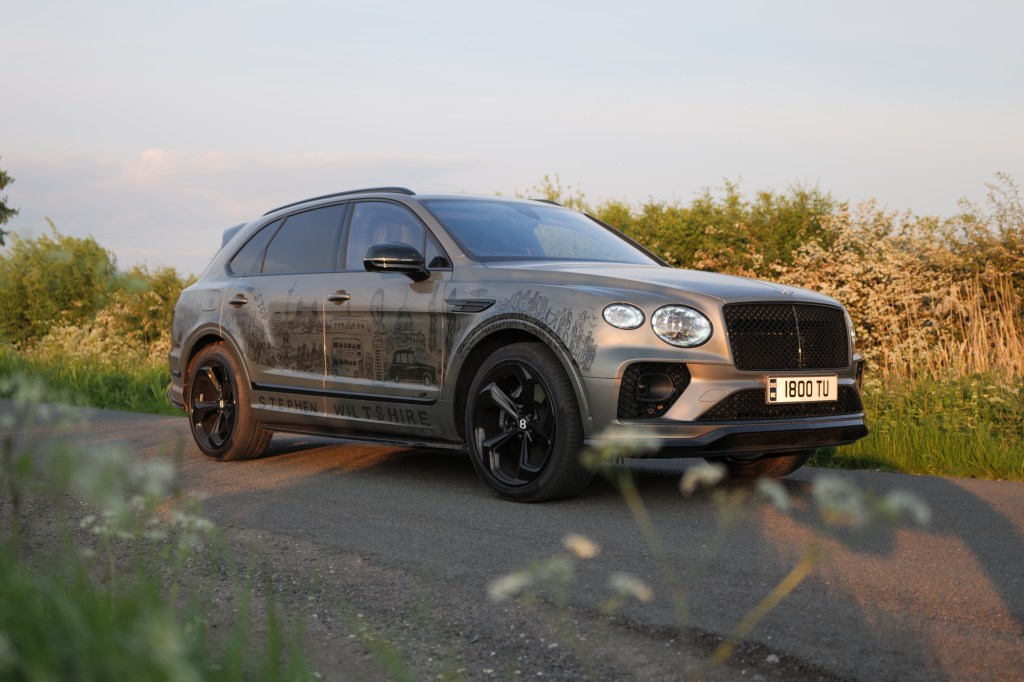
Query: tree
{"x": 6, "y": 213}
{"x": 52, "y": 279}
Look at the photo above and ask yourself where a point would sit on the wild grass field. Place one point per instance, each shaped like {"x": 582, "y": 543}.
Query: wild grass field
{"x": 937, "y": 303}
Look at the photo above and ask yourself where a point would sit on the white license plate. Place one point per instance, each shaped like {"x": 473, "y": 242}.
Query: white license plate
{"x": 803, "y": 389}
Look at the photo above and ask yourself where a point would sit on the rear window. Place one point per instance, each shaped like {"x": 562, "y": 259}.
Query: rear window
{"x": 307, "y": 242}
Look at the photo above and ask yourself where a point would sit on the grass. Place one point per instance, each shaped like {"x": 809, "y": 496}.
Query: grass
{"x": 970, "y": 427}
{"x": 141, "y": 388}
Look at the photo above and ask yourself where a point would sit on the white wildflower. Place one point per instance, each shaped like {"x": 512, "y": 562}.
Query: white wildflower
{"x": 583, "y": 547}
{"x": 627, "y": 585}
{"x": 509, "y": 586}
{"x": 774, "y": 493}
{"x": 704, "y": 475}
{"x": 902, "y": 503}
{"x": 839, "y": 501}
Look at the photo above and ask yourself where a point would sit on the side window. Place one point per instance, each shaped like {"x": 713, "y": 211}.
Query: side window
{"x": 306, "y": 243}
{"x": 378, "y": 222}
{"x": 249, "y": 259}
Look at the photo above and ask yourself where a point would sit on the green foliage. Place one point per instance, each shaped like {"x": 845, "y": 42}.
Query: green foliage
{"x": 49, "y": 279}
{"x": 725, "y": 232}
{"x": 728, "y": 232}
{"x": 6, "y": 212}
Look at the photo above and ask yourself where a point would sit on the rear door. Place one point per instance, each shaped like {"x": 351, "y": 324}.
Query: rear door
{"x": 276, "y": 311}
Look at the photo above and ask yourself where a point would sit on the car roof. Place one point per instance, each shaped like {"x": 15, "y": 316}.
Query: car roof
{"x": 405, "y": 192}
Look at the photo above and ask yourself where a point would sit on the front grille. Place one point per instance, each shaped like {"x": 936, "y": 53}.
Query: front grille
{"x": 633, "y": 407}
{"x": 749, "y": 405}
{"x": 786, "y": 336}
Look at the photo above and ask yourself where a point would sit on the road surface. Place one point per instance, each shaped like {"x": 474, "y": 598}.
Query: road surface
{"x": 416, "y": 537}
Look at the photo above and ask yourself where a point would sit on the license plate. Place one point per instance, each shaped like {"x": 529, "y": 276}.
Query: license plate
{"x": 803, "y": 389}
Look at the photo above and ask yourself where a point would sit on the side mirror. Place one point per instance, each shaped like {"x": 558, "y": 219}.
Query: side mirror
{"x": 396, "y": 257}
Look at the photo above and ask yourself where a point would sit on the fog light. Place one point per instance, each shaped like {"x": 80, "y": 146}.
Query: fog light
{"x": 654, "y": 387}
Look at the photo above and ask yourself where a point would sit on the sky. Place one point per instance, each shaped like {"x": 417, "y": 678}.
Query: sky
{"x": 155, "y": 126}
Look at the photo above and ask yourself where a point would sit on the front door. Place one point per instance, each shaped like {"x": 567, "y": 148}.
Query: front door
{"x": 384, "y": 332}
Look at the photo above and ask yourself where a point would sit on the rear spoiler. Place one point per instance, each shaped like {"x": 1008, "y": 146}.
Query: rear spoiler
{"x": 229, "y": 233}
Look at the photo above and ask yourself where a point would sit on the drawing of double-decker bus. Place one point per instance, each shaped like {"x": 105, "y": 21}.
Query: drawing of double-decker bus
{"x": 346, "y": 357}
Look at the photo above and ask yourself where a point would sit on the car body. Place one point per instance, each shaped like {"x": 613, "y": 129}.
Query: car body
{"x": 520, "y": 330}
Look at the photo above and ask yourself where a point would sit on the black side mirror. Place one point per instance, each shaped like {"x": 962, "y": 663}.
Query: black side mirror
{"x": 396, "y": 257}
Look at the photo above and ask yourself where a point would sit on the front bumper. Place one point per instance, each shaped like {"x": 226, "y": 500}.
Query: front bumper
{"x": 669, "y": 438}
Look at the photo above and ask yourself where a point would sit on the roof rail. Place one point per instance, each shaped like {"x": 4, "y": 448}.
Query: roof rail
{"x": 548, "y": 201}
{"x": 393, "y": 190}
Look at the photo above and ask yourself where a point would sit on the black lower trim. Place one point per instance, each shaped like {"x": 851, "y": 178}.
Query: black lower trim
{"x": 767, "y": 439}
{"x": 387, "y": 439}
{"x": 348, "y": 395}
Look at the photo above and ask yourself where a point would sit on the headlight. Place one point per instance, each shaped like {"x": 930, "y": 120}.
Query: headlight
{"x": 681, "y": 326}
{"x": 623, "y": 316}
{"x": 849, "y": 326}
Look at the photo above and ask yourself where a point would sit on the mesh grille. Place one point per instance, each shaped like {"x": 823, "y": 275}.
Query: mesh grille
{"x": 749, "y": 404}
{"x": 773, "y": 336}
{"x": 631, "y": 407}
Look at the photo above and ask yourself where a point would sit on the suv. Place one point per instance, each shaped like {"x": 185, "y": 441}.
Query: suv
{"x": 520, "y": 330}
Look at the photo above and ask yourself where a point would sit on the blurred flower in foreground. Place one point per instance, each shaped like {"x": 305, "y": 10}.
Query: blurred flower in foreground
{"x": 630, "y": 586}
{"x": 898, "y": 504}
{"x": 583, "y": 547}
{"x": 703, "y": 475}
{"x": 839, "y": 501}
{"x": 774, "y": 493}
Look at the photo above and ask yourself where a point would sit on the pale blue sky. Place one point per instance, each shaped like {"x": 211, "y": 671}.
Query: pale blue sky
{"x": 154, "y": 127}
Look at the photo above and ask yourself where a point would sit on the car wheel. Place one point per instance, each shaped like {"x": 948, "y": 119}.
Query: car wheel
{"x": 219, "y": 410}
{"x": 523, "y": 426}
{"x": 427, "y": 379}
{"x": 766, "y": 466}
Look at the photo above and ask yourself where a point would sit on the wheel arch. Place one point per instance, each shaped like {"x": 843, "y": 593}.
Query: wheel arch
{"x": 497, "y": 333}
{"x": 202, "y": 338}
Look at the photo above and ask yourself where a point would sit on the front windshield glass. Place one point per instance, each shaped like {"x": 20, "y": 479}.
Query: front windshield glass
{"x": 507, "y": 230}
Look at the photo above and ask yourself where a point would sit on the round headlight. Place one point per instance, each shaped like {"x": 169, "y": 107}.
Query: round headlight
{"x": 681, "y": 326}
{"x": 623, "y": 316}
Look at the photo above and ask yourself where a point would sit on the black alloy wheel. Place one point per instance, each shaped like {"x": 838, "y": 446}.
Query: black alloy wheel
{"x": 523, "y": 426}
{"x": 212, "y": 404}
{"x": 220, "y": 413}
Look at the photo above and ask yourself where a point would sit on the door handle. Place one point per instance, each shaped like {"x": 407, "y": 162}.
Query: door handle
{"x": 338, "y": 297}
{"x": 238, "y": 300}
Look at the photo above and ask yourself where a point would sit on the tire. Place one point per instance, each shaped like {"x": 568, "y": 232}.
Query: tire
{"x": 220, "y": 413}
{"x": 766, "y": 466}
{"x": 427, "y": 379}
{"x": 523, "y": 426}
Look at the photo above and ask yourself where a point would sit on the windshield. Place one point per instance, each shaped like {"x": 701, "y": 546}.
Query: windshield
{"x": 490, "y": 230}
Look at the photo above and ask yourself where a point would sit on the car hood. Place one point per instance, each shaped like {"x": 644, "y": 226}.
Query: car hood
{"x": 662, "y": 280}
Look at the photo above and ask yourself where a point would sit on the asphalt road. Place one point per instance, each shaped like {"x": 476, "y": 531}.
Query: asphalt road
{"x": 943, "y": 602}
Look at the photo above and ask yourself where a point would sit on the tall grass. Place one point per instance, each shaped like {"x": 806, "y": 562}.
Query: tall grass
{"x": 95, "y": 383}
{"x": 970, "y": 427}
